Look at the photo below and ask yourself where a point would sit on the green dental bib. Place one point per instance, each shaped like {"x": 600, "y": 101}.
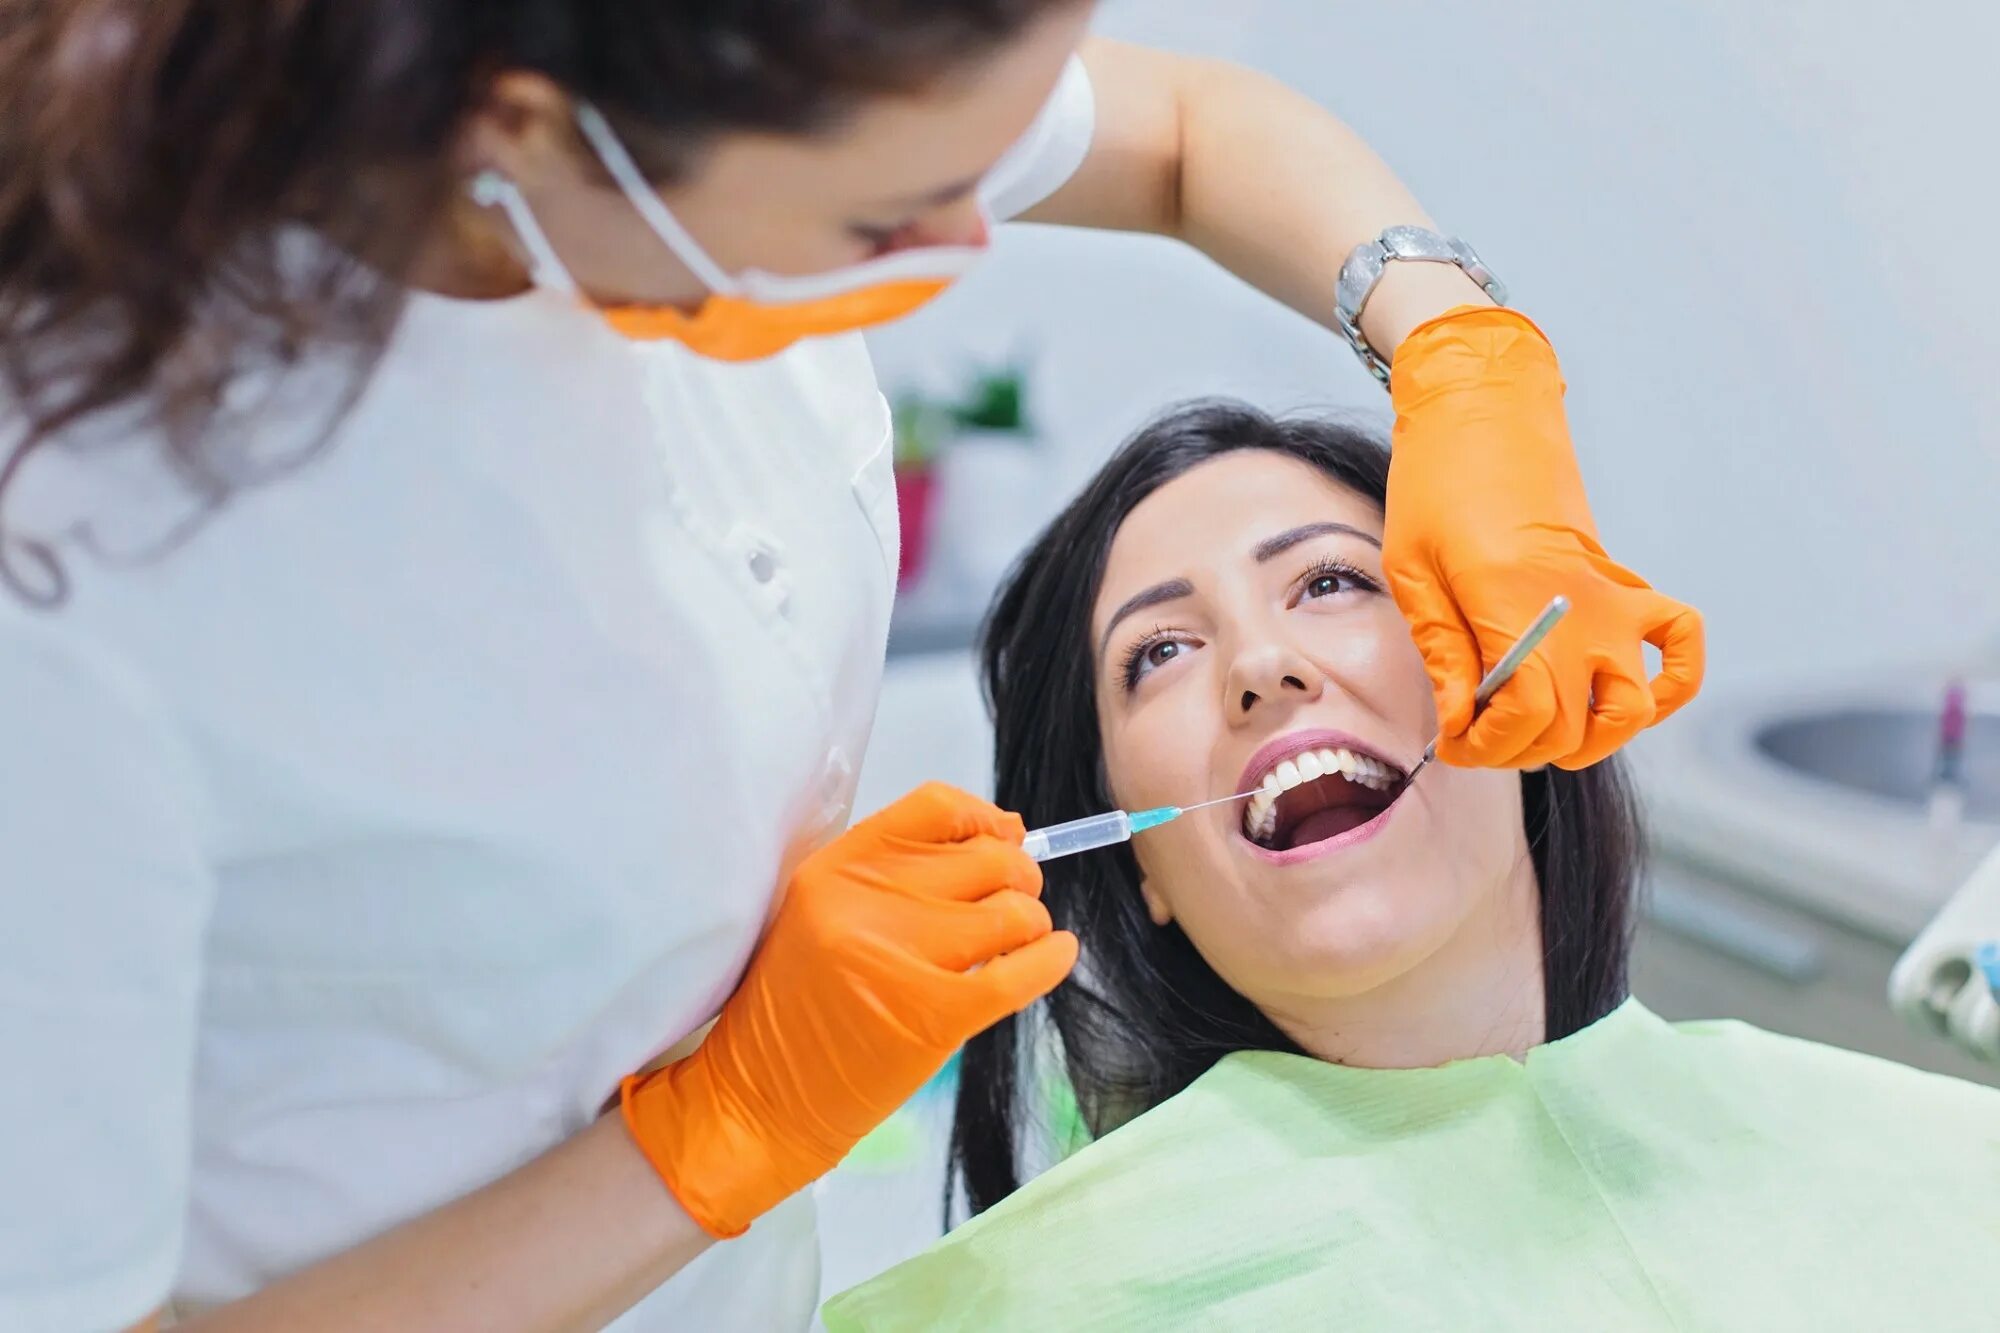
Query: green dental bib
{"x": 1637, "y": 1175}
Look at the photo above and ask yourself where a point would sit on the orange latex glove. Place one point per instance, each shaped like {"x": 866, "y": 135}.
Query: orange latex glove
{"x": 1486, "y": 522}
{"x": 916, "y": 929}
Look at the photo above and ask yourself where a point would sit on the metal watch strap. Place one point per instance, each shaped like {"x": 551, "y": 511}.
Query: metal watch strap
{"x": 1364, "y": 268}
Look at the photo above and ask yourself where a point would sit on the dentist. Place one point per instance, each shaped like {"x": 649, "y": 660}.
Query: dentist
{"x": 449, "y": 529}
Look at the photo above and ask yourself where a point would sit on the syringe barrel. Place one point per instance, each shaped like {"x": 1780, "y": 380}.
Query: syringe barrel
{"x": 1079, "y": 835}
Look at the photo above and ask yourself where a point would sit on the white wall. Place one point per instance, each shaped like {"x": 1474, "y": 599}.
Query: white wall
{"x": 1759, "y": 233}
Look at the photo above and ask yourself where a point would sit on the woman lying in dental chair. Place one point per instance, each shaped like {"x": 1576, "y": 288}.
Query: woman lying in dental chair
{"x": 1360, "y": 1056}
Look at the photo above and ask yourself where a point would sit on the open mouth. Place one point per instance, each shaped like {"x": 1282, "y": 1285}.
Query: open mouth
{"x": 1315, "y": 789}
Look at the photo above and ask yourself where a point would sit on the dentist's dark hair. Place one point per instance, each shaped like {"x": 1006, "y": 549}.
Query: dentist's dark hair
{"x": 1144, "y": 1015}
{"x": 155, "y": 156}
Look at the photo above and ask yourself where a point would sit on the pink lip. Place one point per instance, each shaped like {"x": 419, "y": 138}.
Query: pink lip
{"x": 1298, "y": 742}
{"x": 1326, "y": 847}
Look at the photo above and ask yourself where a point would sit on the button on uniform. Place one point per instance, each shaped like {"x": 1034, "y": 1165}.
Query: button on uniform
{"x": 764, "y": 556}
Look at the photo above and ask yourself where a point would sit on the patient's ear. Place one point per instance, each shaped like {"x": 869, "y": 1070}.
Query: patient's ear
{"x": 1156, "y": 905}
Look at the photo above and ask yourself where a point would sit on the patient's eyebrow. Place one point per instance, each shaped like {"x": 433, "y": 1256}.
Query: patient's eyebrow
{"x": 1275, "y": 546}
{"x": 1170, "y": 591}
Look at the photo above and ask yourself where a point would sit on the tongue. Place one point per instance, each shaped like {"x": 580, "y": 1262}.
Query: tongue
{"x": 1331, "y": 823}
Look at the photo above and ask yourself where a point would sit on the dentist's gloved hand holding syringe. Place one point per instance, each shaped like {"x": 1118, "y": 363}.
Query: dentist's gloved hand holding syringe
{"x": 919, "y": 927}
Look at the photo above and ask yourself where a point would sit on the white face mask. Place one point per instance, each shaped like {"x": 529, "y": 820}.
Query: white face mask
{"x": 748, "y": 315}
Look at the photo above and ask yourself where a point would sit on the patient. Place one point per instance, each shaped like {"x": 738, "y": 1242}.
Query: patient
{"x": 1357, "y": 1053}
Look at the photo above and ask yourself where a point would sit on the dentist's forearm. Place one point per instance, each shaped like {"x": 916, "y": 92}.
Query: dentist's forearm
{"x": 1261, "y": 179}
{"x": 564, "y": 1244}
{"x": 1278, "y": 191}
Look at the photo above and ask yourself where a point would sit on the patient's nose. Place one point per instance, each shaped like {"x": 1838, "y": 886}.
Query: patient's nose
{"x": 1270, "y": 675}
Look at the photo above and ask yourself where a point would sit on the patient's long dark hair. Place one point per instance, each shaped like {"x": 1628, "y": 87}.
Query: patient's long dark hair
{"x": 1144, "y": 1015}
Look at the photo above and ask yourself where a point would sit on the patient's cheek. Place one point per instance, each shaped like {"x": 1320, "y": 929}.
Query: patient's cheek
{"x": 1374, "y": 656}
{"x": 1413, "y": 682}
{"x": 1179, "y": 863}
{"x": 1154, "y": 757}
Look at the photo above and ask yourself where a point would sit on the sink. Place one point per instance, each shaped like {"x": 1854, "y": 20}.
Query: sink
{"x": 1887, "y": 752}
{"x": 1815, "y": 793}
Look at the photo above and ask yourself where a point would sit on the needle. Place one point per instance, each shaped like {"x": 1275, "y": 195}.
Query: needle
{"x": 1220, "y": 800}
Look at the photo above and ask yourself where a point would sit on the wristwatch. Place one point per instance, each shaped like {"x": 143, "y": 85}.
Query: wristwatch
{"x": 1364, "y": 267}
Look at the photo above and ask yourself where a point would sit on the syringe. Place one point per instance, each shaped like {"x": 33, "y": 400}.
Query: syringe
{"x": 1094, "y": 831}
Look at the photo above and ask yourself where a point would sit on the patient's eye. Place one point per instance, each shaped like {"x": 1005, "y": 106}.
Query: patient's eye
{"x": 1150, "y": 654}
{"x": 1331, "y": 577}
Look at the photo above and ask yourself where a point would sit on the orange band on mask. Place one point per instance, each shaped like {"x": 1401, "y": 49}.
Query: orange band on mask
{"x": 730, "y": 328}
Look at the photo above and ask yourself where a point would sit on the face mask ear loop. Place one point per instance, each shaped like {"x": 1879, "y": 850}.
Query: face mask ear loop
{"x": 491, "y": 189}
{"x": 639, "y": 191}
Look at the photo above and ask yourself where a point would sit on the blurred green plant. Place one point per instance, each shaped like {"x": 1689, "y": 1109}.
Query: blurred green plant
{"x": 995, "y": 403}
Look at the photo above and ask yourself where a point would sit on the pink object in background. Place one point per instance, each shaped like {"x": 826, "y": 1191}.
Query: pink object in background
{"x": 914, "y": 487}
{"x": 1951, "y": 721}
{"x": 1946, "y": 807}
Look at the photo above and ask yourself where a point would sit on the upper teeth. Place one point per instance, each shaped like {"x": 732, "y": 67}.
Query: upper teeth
{"x": 1260, "y": 817}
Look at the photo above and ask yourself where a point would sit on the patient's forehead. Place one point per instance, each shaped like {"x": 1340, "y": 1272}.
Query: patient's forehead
{"x": 1215, "y": 514}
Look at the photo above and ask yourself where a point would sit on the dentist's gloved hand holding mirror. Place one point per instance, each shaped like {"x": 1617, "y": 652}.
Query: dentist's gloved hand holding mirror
{"x": 1487, "y": 520}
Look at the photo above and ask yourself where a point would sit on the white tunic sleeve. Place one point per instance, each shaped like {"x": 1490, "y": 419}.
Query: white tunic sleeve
{"x": 104, "y": 893}
{"x": 1044, "y": 158}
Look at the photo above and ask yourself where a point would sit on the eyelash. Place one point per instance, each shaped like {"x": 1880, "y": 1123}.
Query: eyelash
{"x": 1135, "y": 656}
{"x": 1335, "y": 567}
{"x": 1325, "y": 567}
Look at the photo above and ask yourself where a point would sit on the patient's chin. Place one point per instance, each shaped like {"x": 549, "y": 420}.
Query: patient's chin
{"x": 1359, "y": 938}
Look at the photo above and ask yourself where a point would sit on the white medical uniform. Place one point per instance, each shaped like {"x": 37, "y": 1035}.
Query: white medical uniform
{"x": 352, "y": 851}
